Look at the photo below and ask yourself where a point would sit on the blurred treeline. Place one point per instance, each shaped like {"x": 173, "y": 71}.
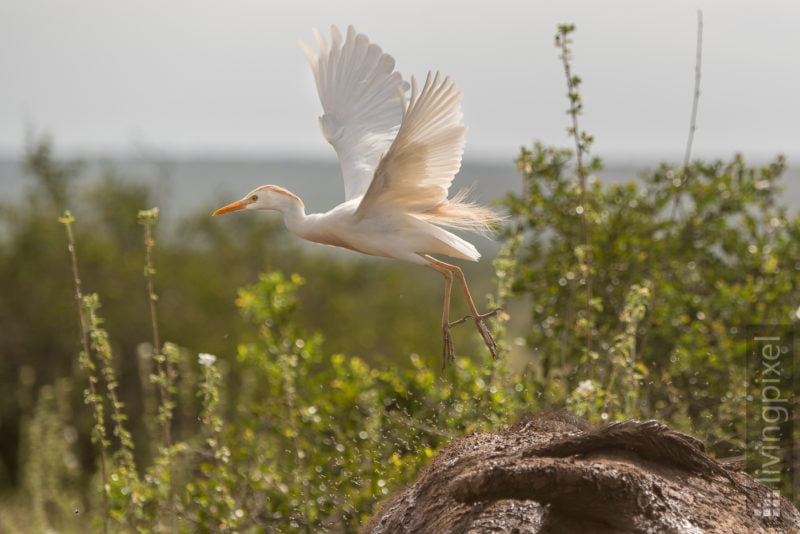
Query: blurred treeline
{"x": 381, "y": 310}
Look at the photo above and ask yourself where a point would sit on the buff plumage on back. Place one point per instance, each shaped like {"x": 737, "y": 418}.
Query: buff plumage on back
{"x": 416, "y": 173}
{"x": 361, "y": 97}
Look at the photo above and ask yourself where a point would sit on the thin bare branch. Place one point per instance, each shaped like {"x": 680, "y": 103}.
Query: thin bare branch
{"x": 696, "y": 99}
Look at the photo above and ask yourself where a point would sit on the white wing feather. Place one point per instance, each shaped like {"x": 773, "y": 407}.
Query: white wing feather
{"x": 416, "y": 172}
{"x": 362, "y": 99}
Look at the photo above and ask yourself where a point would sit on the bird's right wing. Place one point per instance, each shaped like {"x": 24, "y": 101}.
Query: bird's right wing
{"x": 362, "y": 100}
{"x": 417, "y": 171}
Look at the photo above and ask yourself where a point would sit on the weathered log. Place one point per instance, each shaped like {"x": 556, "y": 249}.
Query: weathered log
{"x": 554, "y": 473}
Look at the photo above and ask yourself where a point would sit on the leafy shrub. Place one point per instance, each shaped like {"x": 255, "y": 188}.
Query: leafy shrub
{"x": 301, "y": 441}
{"x": 640, "y": 292}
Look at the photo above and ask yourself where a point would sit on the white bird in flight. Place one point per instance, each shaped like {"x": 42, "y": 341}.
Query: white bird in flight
{"x": 398, "y": 158}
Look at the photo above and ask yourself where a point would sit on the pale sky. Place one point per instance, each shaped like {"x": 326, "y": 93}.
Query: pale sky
{"x": 192, "y": 78}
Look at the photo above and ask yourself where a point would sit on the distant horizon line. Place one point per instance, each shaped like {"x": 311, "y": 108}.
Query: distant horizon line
{"x": 474, "y": 157}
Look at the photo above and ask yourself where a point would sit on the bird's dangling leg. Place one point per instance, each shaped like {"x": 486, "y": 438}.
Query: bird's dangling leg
{"x": 448, "y": 354}
{"x": 456, "y": 271}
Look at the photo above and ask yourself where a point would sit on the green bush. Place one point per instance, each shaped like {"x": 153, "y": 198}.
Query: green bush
{"x": 301, "y": 440}
{"x": 641, "y": 292}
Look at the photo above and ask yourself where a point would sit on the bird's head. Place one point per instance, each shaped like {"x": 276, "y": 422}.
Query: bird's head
{"x": 266, "y": 197}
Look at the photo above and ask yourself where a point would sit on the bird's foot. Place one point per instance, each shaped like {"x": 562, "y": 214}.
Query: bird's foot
{"x": 448, "y": 354}
{"x": 481, "y": 325}
{"x": 485, "y": 334}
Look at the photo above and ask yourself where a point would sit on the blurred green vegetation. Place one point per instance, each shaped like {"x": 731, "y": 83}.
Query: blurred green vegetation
{"x": 707, "y": 250}
{"x": 384, "y": 310}
{"x": 300, "y": 402}
{"x": 200, "y": 267}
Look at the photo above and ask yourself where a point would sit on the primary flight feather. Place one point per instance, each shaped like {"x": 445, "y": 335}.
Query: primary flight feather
{"x": 398, "y": 158}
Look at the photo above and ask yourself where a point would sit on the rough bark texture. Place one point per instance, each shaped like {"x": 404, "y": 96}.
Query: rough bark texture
{"x": 554, "y": 473}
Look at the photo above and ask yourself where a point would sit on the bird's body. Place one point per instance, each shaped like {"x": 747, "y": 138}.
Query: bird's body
{"x": 395, "y": 234}
{"x": 398, "y": 160}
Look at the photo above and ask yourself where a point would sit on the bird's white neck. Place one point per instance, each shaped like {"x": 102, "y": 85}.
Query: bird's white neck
{"x": 294, "y": 214}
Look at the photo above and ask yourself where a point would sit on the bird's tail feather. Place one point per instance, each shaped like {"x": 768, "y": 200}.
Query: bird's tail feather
{"x": 463, "y": 214}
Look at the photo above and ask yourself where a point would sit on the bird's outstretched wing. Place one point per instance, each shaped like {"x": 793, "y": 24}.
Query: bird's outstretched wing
{"x": 416, "y": 172}
{"x": 362, "y": 100}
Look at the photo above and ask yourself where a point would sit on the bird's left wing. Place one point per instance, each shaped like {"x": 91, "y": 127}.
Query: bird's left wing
{"x": 416, "y": 172}
{"x": 361, "y": 96}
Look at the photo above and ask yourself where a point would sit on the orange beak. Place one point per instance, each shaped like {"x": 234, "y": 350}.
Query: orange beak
{"x": 233, "y": 206}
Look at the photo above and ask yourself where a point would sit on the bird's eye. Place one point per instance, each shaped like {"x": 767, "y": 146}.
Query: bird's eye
{"x": 254, "y": 198}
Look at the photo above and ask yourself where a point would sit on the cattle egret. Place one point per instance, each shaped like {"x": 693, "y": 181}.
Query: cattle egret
{"x": 398, "y": 158}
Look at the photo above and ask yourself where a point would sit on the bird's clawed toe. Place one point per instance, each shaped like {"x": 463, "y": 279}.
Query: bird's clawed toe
{"x": 486, "y": 335}
{"x": 448, "y": 353}
{"x": 484, "y": 330}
